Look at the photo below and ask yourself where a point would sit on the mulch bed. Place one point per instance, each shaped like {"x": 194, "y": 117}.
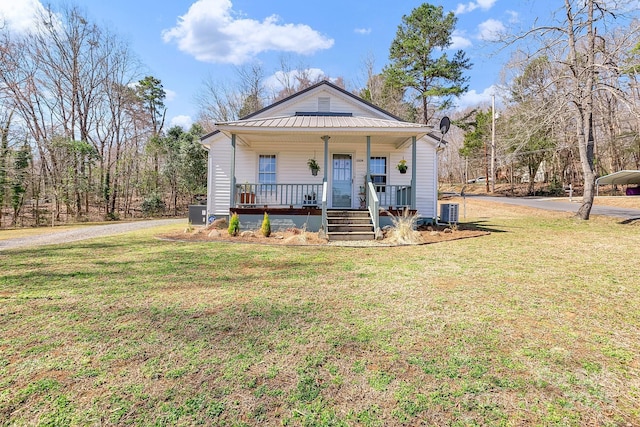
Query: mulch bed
{"x": 427, "y": 235}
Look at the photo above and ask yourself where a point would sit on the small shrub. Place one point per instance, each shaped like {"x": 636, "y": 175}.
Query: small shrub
{"x": 112, "y": 216}
{"x": 266, "y": 226}
{"x": 153, "y": 205}
{"x": 234, "y": 225}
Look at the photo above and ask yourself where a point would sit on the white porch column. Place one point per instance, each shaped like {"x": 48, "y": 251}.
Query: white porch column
{"x": 367, "y": 177}
{"x": 414, "y": 162}
{"x": 326, "y": 158}
{"x": 232, "y": 194}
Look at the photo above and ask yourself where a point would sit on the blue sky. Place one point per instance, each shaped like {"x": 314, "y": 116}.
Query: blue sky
{"x": 181, "y": 42}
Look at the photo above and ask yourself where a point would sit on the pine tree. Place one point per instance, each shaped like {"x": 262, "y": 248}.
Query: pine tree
{"x": 266, "y": 226}
{"x": 234, "y": 225}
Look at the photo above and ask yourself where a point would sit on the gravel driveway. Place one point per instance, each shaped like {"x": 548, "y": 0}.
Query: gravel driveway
{"x": 84, "y": 233}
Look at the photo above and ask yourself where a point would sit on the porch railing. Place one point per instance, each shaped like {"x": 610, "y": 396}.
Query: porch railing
{"x": 393, "y": 196}
{"x": 298, "y": 195}
{"x": 311, "y": 195}
{"x": 373, "y": 204}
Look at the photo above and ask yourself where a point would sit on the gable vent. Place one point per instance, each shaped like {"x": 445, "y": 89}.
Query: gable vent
{"x": 324, "y": 104}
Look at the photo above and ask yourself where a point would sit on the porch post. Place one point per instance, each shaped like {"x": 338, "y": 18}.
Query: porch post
{"x": 366, "y": 174}
{"x": 413, "y": 173}
{"x": 326, "y": 157}
{"x": 233, "y": 171}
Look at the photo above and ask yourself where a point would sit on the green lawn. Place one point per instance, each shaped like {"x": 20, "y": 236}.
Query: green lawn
{"x": 535, "y": 324}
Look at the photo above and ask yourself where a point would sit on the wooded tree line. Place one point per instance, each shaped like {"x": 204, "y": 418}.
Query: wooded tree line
{"x": 82, "y": 130}
{"x": 572, "y": 103}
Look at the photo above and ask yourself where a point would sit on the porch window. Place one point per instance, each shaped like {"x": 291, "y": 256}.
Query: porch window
{"x": 267, "y": 171}
{"x": 378, "y": 173}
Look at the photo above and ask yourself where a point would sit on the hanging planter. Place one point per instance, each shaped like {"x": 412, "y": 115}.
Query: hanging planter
{"x": 313, "y": 166}
{"x": 402, "y": 166}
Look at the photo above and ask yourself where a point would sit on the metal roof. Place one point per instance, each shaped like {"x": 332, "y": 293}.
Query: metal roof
{"x": 324, "y": 122}
{"x": 620, "y": 178}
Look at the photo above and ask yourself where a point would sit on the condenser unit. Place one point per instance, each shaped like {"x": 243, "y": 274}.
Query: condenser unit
{"x": 449, "y": 213}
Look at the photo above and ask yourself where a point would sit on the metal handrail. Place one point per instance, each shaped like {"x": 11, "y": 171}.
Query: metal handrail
{"x": 325, "y": 192}
{"x": 373, "y": 205}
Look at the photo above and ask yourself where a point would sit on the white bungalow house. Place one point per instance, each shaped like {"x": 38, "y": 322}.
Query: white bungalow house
{"x": 260, "y": 163}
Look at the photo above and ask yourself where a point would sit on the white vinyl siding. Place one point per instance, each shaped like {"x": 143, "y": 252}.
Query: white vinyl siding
{"x": 309, "y": 103}
{"x": 219, "y": 184}
{"x": 427, "y": 194}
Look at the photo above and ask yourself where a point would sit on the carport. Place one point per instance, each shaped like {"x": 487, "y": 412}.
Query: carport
{"x": 625, "y": 177}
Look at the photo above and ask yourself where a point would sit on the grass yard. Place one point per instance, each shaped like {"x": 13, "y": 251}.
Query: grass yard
{"x": 535, "y": 324}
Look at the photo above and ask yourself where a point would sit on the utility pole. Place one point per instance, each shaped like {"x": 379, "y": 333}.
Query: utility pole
{"x": 486, "y": 167}
{"x": 493, "y": 143}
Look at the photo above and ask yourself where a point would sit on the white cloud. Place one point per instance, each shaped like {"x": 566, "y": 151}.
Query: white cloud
{"x": 473, "y": 98}
{"x": 514, "y": 17}
{"x": 20, "y": 16}
{"x": 471, "y": 6}
{"x": 490, "y": 30}
{"x": 170, "y": 95}
{"x": 459, "y": 41}
{"x": 184, "y": 122}
{"x": 211, "y": 32}
{"x": 363, "y": 31}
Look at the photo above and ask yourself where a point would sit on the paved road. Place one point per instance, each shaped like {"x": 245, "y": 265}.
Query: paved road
{"x": 83, "y": 233}
{"x": 553, "y": 205}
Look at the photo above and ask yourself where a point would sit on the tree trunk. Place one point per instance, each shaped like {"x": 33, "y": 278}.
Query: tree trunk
{"x": 586, "y": 159}
{"x": 584, "y": 89}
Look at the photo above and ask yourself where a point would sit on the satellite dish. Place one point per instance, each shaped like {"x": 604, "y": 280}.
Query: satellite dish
{"x": 444, "y": 125}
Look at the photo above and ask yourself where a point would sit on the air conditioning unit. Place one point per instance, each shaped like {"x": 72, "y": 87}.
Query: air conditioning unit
{"x": 198, "y": 214}
{"x": 449, "y": 213}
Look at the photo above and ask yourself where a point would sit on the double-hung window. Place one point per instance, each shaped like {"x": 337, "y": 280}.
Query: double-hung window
{"x": 267, "y": 172}
{"x": 378, "y": 172}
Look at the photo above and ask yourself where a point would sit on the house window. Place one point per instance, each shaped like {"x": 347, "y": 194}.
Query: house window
{"x": 267, "y": 169}
{"x": 378, "y": 173}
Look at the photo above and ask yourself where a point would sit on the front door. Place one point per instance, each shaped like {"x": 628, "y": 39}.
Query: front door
{"x": 342, "y": 181}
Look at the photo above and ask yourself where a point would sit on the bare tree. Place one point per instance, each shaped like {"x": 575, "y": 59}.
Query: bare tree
{"x": 294, "y": 79}
{"x": 379, "y": 90}
{"x": 70, "y": 82}
{"x": 575, "y": 49}
{"x": 220, "y": 102}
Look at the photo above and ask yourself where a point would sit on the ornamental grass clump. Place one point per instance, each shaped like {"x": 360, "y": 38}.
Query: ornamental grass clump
{"x": 234, "y": 225}
{"x": 266, "y": 226}
{"x": 404, "y": 228}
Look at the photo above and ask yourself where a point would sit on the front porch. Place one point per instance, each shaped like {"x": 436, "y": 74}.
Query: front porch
{"x": 305, "y": 206}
